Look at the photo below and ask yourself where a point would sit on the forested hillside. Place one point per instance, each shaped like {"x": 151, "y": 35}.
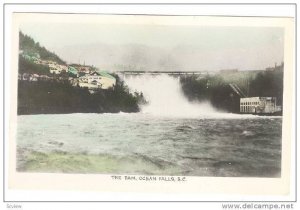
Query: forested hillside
{"x": 32, "y": 48}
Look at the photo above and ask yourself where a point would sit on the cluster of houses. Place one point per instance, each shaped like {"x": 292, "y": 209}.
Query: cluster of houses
{"x": 33, "y": 77}
{"x": 79, "y": 75}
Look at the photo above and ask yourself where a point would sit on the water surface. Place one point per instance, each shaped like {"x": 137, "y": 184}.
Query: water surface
{"x": 141, "y": 143}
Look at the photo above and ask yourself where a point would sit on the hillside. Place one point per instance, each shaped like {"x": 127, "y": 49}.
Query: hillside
{"x": 57, "y": 97}
{"x": 41, "y": 91}
{"x": 32, "y": 48}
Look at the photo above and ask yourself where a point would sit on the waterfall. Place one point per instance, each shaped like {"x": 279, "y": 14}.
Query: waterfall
{"x": 165, "y": 97}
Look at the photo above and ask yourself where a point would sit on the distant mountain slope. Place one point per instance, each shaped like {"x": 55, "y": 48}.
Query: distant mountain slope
{"x": 30, "y": 47}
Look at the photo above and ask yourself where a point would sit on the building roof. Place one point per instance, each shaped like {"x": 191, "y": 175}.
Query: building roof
{"x": 105, "y": 74}
{"x": 94, "y": 73}
{"x": 72, "y": 70}
{"x": 257, "y": 98}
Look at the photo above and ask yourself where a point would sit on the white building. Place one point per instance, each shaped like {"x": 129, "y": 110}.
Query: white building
{"x": 34, "y": 77}
{"x": 107, "y": 81}
{"x": 259, "y": 105}
{"x": 95, "y": 79}
{"x": 89, "y": 85}
{"x": 57, "y": 69}
{"x": 54, "y": 68}
{"x": 85, "y": 69}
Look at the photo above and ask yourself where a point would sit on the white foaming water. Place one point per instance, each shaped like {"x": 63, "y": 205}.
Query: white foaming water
{"x": 166, "y": 98}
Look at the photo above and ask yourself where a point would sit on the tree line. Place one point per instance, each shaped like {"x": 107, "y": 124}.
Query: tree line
{"x": 56, "y": 97}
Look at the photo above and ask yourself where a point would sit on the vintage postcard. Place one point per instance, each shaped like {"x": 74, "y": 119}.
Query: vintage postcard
{"x": 147, "y": 103}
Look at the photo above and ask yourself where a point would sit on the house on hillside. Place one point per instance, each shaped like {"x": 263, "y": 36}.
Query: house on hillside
{"x": 72, "y": 70}
{"x": 44, "y": 77}
{"x": 44, "y": 62}
{"x": 34, "y": 77}
{"x": 54, "y": 68}
{"x": 57, "y": 69}
{"x": 90, "y": 86}
{"x": 103, "y": 79}
{"x": 84, "y": 69}
{"x": 64, "y": 68}
{"x": 97, "y": 80}
{"x": 28, "y": 77}
{"x": 107, "y": 81}
{"x": 38, "y": 61}
{"x": 94, "y": 77}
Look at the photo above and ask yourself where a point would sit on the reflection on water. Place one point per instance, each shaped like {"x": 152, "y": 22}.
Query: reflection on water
{"x": 221, "y": 145}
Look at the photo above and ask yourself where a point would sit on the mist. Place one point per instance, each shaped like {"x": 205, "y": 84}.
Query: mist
{"x": 165, "y": 97}
{"x": 139, "y": 57}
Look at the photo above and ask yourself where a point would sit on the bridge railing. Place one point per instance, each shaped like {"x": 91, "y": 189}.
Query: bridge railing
{"x": 162, "y": 72}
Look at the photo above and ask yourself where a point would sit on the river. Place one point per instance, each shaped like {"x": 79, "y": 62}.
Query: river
{"x": 168, "y": 137}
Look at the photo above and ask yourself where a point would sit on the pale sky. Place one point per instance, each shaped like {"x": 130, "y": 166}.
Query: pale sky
{"x": 159, "y": 47}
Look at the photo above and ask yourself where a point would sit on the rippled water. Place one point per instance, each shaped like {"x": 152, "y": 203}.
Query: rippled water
{"x": 222, "y": 145}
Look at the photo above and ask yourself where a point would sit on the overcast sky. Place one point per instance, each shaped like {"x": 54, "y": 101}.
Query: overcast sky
{"x": 157, "y": 47}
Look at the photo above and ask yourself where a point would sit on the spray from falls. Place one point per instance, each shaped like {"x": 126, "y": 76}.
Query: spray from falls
{"x": 165, "y": 97}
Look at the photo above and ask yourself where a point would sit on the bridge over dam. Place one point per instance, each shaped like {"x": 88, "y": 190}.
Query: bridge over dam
{"x": 177, "y": 74}
{"x": 199, "y": 74}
